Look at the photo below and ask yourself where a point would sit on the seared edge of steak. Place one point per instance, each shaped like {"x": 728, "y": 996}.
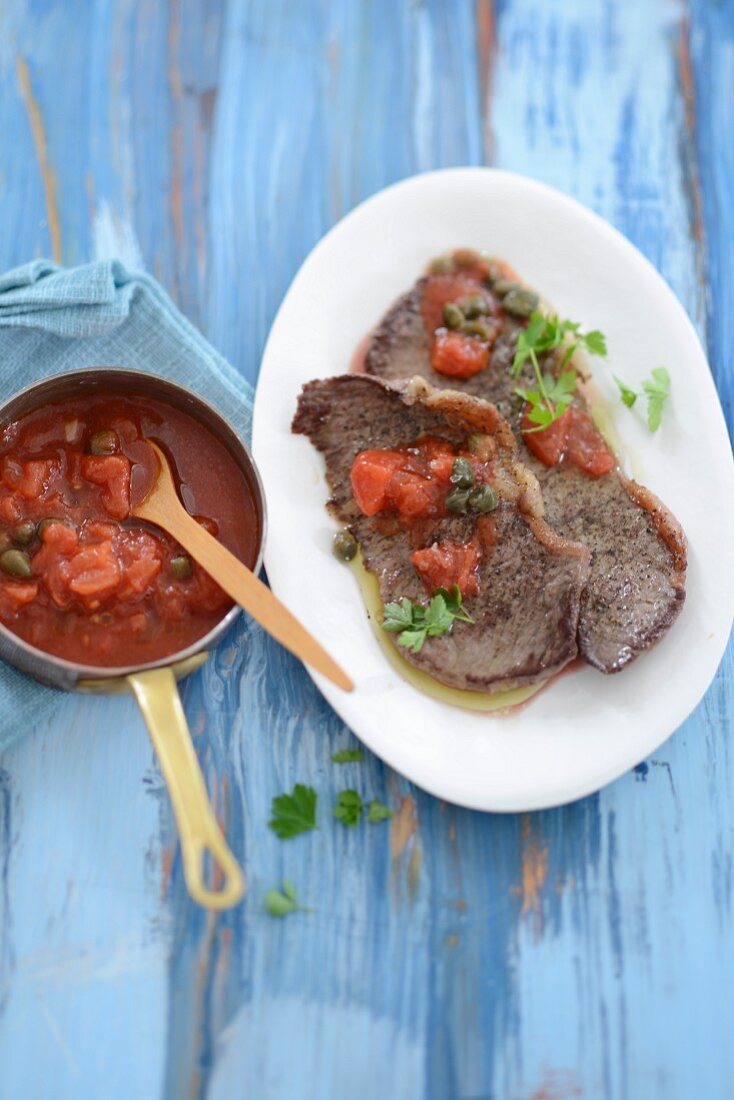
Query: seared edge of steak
{"x": 530, "y": 583}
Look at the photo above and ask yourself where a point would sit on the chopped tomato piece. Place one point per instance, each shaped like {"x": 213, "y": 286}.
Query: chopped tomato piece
{"x": 100, "y": 529}
{"x": 587, "y": 447}
{"x": 447, "y": 563}
{"x": 372, "y": 472}
{"x": 28, "y": 478}
{"x": 458, "y": 356}
{"x": 549, "y": 445}
{"x": 112, "y": 472}
{"x": 573, "y": 438}
{"x": 94, "y": 573}
{"x": 61, "y": 537}
{"x": 412, "y": 495}
{"x": 10, "y": 509}
{"x": 138, "y": 577}
{"x": 18, "y": 593}
{"x": 141, "y": 556}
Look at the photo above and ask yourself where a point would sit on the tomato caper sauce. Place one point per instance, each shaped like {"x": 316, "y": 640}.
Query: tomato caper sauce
{"x": 80, "y": 577}
{"x": 418, "y": 485}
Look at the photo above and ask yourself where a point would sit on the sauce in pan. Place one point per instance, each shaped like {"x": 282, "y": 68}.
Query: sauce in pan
{"x": 79, "y": 577}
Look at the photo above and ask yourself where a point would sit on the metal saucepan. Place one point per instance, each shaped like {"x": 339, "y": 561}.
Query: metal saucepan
{"x": 153, "y": 684}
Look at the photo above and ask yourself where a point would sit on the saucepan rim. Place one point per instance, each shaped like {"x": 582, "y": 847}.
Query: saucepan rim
{"x": 54, "y": 387}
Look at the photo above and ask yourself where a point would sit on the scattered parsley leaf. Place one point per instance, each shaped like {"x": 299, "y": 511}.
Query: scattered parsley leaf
{"x": 294, "y": 813}
{"x": 657, "y": 391}
{"x": 595, "y": 343}
{"x": 627, "y": 395}
{"x": 348, "y": 756}
{"x": 378, "y": 812}
{"x": 414, "y": 622}
{"x": 349, "y": 807}
{"x": 280, "y": 904}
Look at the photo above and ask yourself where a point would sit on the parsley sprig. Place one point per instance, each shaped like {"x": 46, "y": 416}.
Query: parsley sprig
{"x": 377, "y": 812}
{"x": 415, "y": 622}
{"x": 656, "y": 389}
{"x": 294, "y": 813}
{"x": 280, "y": 903}
{"x": 349, "y": 809}
{"x": 542, "y": 336}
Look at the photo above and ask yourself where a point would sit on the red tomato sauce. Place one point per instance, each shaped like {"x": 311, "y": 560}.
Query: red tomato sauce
{"x": 573, "y": 438}
{"x": 409, "y": 484}
{"x": 103, "y": 588}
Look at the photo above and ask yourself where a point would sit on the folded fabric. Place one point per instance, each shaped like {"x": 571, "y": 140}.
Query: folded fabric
{"x": 55, "y": 319}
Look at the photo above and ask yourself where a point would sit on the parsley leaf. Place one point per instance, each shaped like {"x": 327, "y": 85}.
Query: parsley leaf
{"x": 542, "y": 336}
{"x": 595, "y": 343}
{"x": 627, "y": 395}
{"x": 378, "y": 812}
{"x": 294, "y": 813}
{"x": 657, "y": 391}
{"x": 398, "y": 616}
{"x": 280, "y": 904}
{"x": 414, "y": 622}
{"x": 349, "y": 807}
{"x": 348, "y": 756}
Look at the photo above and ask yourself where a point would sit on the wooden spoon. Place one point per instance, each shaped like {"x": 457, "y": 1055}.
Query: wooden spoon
{"x": 162, "y": 506}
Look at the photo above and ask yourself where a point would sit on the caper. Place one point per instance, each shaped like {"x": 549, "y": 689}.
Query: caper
{"x": 344, "y": 545}
{"x": 442, "y": 265}
{"x": 494, "y": 274}
{"x": 453, "y": 316}
{"x": 520, "y": 302}
{"x": 483, "y": 499}
{"x": 104, "y": 442}
{"x": 181, "y": 567}
{"x": 478, "y": 328}
{"x": 462, "y": 473}
{"x": 504, "y": 286}
{"x": 16, "y": 563}
{"x": 24, "y": 533}
{"x": 457, "y": 499}
{"x": 476, "y": 306}
{"x": 5, "y": 541}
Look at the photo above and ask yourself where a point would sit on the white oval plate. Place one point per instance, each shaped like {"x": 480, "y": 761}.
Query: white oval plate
{"x": 586, "y": 729}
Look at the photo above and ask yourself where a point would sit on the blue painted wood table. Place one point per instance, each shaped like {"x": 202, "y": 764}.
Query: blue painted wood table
{"x": 585, "y": 951}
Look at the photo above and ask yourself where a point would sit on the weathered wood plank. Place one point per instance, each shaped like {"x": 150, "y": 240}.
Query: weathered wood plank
{"x": 449, "y": 953}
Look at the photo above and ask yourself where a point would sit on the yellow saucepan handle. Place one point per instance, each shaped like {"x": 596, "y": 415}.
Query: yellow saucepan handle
{"x": 158, "y": 699}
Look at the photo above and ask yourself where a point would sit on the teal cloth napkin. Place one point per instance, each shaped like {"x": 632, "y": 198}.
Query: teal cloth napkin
{"x": 55, "y": 319}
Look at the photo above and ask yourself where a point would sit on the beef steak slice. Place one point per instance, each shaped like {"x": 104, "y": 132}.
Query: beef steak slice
{"x": 526, "y": 612}
{"x": 636, "y": 584}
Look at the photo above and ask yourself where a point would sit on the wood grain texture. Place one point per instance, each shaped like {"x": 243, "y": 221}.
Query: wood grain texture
{"x": 585, "y": 951}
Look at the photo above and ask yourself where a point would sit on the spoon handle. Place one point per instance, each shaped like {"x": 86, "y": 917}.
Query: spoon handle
{"x": 251, "y": 594}
{"x": 160, "y": 703}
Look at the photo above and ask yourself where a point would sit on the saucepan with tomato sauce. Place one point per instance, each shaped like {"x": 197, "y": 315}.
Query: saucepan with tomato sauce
{"x": 93, "y": 599}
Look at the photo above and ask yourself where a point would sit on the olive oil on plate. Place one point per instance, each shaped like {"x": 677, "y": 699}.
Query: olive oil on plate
{"x": 497, "y": 703}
